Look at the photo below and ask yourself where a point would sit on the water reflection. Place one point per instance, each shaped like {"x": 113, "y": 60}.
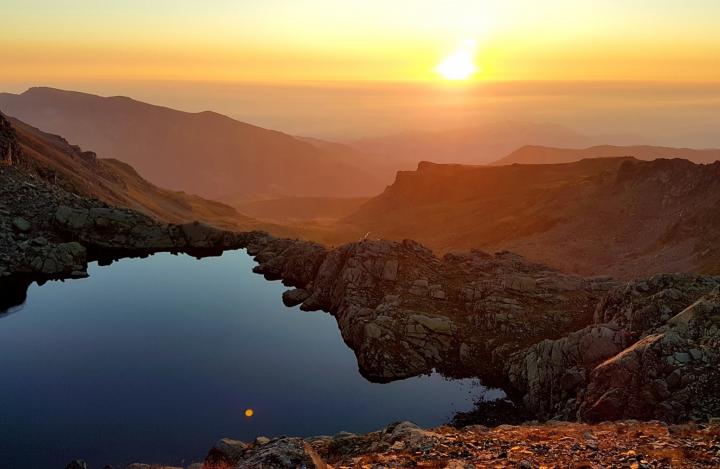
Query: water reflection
{"x": 155, "y": 359}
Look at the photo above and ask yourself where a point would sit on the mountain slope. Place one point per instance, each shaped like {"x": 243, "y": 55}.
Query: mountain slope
{"x": 617, "y": 216}
{"x": 535, "y": 154}
{"x": 118, "y": 184}
{"x": 204, "y": 153}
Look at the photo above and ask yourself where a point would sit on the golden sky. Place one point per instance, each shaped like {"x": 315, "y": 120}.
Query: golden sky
{"x": 358, "y": 40}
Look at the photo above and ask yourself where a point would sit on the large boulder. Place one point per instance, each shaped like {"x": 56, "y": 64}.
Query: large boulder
{"x": 671, "y": 374}
{"x": 290, "y": 453}
{"x": 226, "y": 453}
{"x": 61, "y": 259}
{"x": 553, "y": 377}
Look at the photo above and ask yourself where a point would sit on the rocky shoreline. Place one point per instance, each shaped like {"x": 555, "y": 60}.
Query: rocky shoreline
{"x": 630, "y": 444}
{"x": 561, "y": 346}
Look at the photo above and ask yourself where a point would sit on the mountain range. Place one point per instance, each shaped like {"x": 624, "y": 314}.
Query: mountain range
{"x": 81, "y": 172}
{"x": 536, "y": 154}
{"x": 617, "y": 216}
{"x": 479, "y": 144}
{"x": 624, "y": 211}
{"x": 203, "y": 153}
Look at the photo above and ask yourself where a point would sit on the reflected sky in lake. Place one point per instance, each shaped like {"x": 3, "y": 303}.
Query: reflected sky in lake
{"x": 155, "y": 359}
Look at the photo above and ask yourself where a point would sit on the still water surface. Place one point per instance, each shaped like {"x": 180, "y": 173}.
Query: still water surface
{"x": 155, "y": 359}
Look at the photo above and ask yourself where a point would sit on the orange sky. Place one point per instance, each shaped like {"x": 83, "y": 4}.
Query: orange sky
{"x": 353, "y": 40}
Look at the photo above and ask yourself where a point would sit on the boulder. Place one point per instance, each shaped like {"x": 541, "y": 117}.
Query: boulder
{"x": 22, "y": 225}
{"x": 282, "y": 453}
{"x": 295, "y": 296}
{"x": 226, "y": 454}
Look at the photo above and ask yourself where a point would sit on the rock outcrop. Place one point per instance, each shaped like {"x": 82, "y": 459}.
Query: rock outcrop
{"x": 10, "y": 152}
{"x": 564, "y": 378}
{"x": 48, "y": 232}
{"x": 556, "y": 343}
{"x": 406, "y": 312}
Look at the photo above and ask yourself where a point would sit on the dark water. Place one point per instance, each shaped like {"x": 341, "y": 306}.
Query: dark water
{"x": 155, "y": 359}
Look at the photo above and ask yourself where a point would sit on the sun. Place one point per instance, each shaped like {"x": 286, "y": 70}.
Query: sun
{"x": 460, "y": 65}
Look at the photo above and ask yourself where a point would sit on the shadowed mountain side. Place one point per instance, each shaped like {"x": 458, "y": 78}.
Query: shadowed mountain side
{"x": 118, "y": 184}
{"x": 204, "y": 153}
{"x": 302, "y": 209}
{"x": 535, "y": 154}
{"x": 616, "y": 216}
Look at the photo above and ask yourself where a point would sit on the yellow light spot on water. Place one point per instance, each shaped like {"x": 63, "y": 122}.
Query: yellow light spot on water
{"x": 249, "y": 412}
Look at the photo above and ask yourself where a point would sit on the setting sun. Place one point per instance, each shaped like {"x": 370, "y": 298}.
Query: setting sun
{"x": 460, "y": 65}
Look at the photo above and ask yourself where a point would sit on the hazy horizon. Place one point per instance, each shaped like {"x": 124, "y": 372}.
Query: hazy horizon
{"x": 626, "y": 112}
{"x": 644, "y": 71}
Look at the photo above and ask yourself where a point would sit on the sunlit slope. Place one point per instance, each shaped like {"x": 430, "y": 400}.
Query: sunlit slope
{"x": 117, "y": 183}
{"x": 203, "y": 153}
{"x": 618, "y": 216}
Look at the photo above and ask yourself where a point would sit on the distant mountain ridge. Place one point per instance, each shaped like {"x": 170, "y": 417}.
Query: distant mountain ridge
{"x": 204, "y": 153}
{"x": 618, "y": 216}
{"x": 479, "y": 144}
{"x": 537, "y": 154}
{"x": 118, "y": 184}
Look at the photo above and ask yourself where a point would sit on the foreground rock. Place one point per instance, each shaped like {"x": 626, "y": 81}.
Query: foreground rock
{"x": 629, "y": 443}
{"x": 402, "y": 445}
{"x": 651, "y": 353}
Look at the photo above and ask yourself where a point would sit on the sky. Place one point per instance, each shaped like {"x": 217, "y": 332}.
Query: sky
{"x": 274, "y": 41}
{"x": 345, "y": 69}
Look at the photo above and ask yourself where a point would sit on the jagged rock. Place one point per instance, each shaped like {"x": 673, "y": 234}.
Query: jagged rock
{"x": 378, "y": 291}
{"x": 408, "y": 436}
{"x": 390, "y": 270}
{"x": 552, "y": 376}
{"x": 288, "y": 453}
{"x": 657, "y": 377}
{"x": 295, "y": 296}
{"x": 56, "y": 259}
{"x": 226, "y": 453}
{"x": 71, "y": 218}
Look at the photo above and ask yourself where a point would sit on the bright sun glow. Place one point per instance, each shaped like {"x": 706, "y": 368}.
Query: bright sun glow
{"x": 460, "y": 65}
